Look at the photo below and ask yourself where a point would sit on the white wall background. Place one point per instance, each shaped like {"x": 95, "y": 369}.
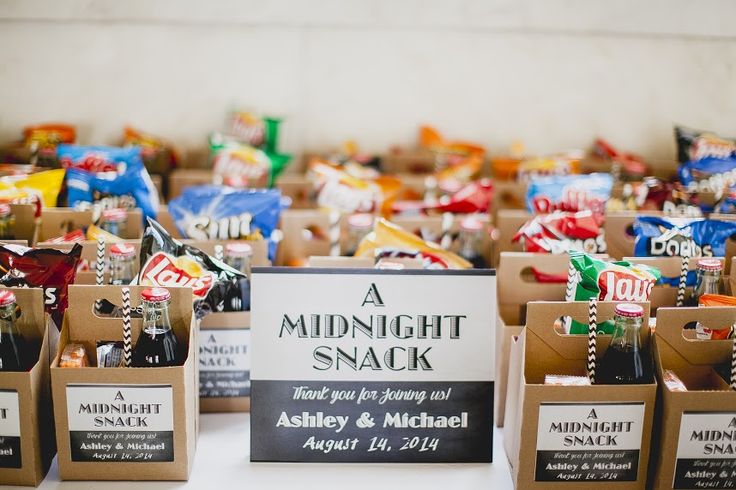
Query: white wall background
{"x": 555, "y": 73}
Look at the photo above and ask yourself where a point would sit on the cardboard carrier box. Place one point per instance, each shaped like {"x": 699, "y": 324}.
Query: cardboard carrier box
{"x": 124, "y": 423}
{"x": 57, "y": 222}
{"x": 516, "y": 287}
{"x": 697, "y": 436}
{"x": 224, "y": 346}
{"x": 27, "y": 443}
{"x": 87, "y": 273}
{"x": 576, "y": 435}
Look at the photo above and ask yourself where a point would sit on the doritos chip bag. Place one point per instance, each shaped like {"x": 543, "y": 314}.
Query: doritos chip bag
{"x": 388, "y": 240}
{"x": 47, "y": 268}
{"x": 681, "y": 237}
{"x": 166, "y": 262}
{"x": 609, "y": 281}
{"x": 109, "y": 176}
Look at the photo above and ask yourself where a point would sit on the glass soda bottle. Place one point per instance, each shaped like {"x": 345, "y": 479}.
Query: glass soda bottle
{"x": 157, "y": 345}
{"x": 7, "y": 222}
{"x": 471, "y": 242}
{"x": 13, "y": 349}
{"x": 237, "y": 255}
{"x": 114, "y": 221}
{"x": 625, "y": 362}
{"x": 708, "y": 279}
{"x": 359, "y": 225}
{"x": 122, "y": 263}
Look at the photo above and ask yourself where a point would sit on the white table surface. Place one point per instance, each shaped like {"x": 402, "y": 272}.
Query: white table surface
{"x": 222, "y": 462}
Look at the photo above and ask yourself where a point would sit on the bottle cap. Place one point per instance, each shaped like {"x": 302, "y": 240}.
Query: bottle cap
{"x": 114, "y": 215}
{"x": 710, "y": 265}
{"x": 4, "y": 210}
{"x": 155, "y": 295}
{"x": 7, "y": 297}
{"x": 629, "y": 310}
{"x": 471, "y": 223}
{"x": 238, "y": 250}
{"x": 122, "y": 250}
{"x": 360, "y": 220}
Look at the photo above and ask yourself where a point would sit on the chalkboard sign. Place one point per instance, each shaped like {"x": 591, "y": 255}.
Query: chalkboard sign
{"x": 369, "y": 365}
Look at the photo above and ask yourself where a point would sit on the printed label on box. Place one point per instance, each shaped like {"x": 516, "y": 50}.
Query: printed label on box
{"x": 10, "y": 456}
{"x": 120, "y": 423}
{"x": 589, "y": 442}
{"x": 706, "y": 451}
{"x": 373, "y": 366}
{"x": 224, "y": 363}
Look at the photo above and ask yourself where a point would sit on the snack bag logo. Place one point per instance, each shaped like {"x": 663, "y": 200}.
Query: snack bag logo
{"x": 711, "y": 146}
{"x": 622, "y": 286}
{"x": 165, "y": 271}
{"x": 675, "y": 244}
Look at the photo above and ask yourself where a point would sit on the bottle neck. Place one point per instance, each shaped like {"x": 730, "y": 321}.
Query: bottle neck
{"x": 708, "y": 282}
{"x": 470, "y": 242}
{"x": 7, "y": 320}
{"x": 239, "y": 263}
{"x": 626, "y": 333}
{"x": 156, "y": 317}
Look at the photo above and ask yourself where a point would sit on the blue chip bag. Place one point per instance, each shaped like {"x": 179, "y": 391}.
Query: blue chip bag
{"x": 708, "y": 174}
{"x": 569, "y": 193}
{"x": 211, "y": 212}
{"x": 108, "y": 176}
{"x": 681, "y": 237}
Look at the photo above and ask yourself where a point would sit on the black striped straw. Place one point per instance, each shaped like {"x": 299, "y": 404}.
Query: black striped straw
{"x": 334, "y": 233}
{"x": 445, "y": 236}
{"x": 219, "y": 255}
{"x": 592, "y": 337}
{"x": 127, "y": 330}
{"x": 683, "y": 281}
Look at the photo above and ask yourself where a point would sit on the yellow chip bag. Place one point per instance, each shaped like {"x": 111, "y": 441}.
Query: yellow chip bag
{"x": 388, "y": 240}
{"x": 40, "y": 189}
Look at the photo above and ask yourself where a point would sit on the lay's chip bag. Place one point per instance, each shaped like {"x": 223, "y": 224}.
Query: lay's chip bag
{"x": 40, "y": 189}
{"x": 109, "y": 176}
{"x": 608, "y": 281}
{"x": 166, "y": 262}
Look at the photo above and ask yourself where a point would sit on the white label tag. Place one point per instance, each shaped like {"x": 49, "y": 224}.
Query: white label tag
{"x": 9, "y": 414}
{"x": 224, "y": 350}
{"x": 119, "y": 407}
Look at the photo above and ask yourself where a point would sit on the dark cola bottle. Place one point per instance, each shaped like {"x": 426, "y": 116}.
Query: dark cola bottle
{"x": 471, "y": 242}
{"x": 625, "y": 361}
{"x": 13, "y": 349}
{"x": 157, "y": 345}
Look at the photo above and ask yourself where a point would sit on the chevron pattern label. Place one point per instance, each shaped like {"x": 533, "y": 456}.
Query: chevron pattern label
{"x": 683, "y": 280}
{"x": 592, "y": 337}
{"x": 127, "y": 330}
{"x": 733, "y": 360}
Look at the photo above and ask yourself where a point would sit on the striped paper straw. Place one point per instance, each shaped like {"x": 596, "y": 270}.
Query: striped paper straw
{"x": 219, "y": 255}
{"x": 446, "y": 237}
{"x": 100, "y": 268}
{"x": 592, "y": 337}
{"x": 334, "y": 233}
{"x": 570, "y": 291}
{"x": 127, "y": 330}
{"x": 683, "y": 281}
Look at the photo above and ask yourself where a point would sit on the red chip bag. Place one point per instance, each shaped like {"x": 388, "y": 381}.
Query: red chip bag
{"x": 47, "y": 268}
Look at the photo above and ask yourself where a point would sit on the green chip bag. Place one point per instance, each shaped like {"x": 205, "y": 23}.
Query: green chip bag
{"x": 608, "y": 281}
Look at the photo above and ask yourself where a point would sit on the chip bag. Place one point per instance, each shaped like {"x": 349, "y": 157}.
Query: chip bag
{"x": 95, "y": 233}
{"x": 108, "y": 176}
{"x": 47, "y": 268}
{"x": 559, "y": 232}
{"x": 166, "y": 262}
{"x": 157, "y": 155}
{"x": 232, "y": 157}
{"x": 562, "y": 164}
{"x": 40, "y": 189}
{"x": 693, "y": 144}
{"x": 49, "y": 135}
{"x": 212, "y": 212}
{"x": 569, "y": 193}
{"x": 256, "y": 131}
{"x": 705, "y": 333}
{"x": 681, "y": 237}
{"x": 388, "y": 240}
{"x": 608, "y": 281}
